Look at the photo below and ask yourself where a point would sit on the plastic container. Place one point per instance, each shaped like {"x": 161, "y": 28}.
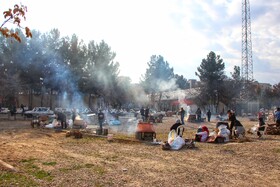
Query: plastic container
{"x": 110, "y": 137}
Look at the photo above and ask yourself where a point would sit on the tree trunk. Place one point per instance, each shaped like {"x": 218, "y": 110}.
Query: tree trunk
{"x": 30, "y": 99}
{"x": 51, "y": 98}
{"x": 42, "y": 98}
{"x": 89, "y": 100}
{"x": 159, "y": 101}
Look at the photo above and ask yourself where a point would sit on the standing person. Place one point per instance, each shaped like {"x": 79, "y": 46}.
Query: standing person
{"x": 261, "y": 127}
{"x": 277, "y": 117}
{"x": 74, "y": 115}
{"x": 101, "y": 118}
{"x": 182, "y": 113}
{"x": 62, "y": 118}
{"x": 13, "y": 110}
{"x": 147, "y": 111}
{"x": 209, "y": 115}
{"x": 198, "y": 113}
{"x": 142, "y": 112}
{"x": 261, "y": 116}
{"x": 22, "y": 108}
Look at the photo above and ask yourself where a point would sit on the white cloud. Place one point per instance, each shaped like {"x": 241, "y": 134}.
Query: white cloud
{"x": 182, "y": 31}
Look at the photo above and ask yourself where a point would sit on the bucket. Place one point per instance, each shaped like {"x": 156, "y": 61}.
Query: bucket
{"x": 110, "y": 137}
{"x": 99, "y": 131}
{"x": 105, "y": 132}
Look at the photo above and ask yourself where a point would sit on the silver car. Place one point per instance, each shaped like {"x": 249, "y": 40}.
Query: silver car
{"x": 39, "y": 111}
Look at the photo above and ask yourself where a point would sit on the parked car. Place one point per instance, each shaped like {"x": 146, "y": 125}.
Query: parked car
{"x": 66, "y": 111}
{"x": 4, "y": 110}
{"x": 39, "y": 111}
{"x": 156, "y": 116}
{"x": 19, "y": 110}
{"x": 87, "y": 111}
{"x": 157, "y": 113}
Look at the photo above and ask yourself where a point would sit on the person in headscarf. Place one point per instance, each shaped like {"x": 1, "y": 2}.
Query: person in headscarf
{"x": 176, "y": 125}
{"x": 261, "y": 127}
{"x": 238, "y": 127}
{"x": 232, "y": 119}
{"x": 261, "y": 116}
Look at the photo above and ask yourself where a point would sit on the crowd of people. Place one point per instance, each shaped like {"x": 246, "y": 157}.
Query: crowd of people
{"x": 232, "y": 128}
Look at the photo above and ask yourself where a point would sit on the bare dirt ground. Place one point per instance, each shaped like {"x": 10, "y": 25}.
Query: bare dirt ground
{"x": 43, "y": 157}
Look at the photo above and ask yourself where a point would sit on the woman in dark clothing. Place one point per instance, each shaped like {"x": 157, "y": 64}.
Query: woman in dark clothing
{"x": 238, "y": 127}
{"x": 147, "y": 111}
{"x": 74, "y": 115}
{"x": 175, "y": 126}
{"x": 182, "y": 113}
{"x": 209, "y": 115}
{"x": 101, "y": 118}
{"x": 198, "y": 113}
{"x": 232, "y": 119}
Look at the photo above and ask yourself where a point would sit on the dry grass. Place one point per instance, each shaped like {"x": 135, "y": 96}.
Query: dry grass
{"x": 45, "y": 158}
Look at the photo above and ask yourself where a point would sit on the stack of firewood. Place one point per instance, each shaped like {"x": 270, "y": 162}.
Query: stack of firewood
{"x": 272, "y": 129}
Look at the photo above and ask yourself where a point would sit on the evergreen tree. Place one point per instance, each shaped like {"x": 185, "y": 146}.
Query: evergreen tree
{"x": 211, "y": 75}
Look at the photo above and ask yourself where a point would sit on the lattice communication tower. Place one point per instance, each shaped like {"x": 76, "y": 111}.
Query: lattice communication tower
{"x": 247, "y": 61}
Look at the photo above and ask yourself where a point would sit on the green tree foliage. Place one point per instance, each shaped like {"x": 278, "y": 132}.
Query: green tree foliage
{"x": 211, "y": 75}
{"x": 234, "y": 84}
{"x": 276, "y": 94}
{"x": 276, "y": 90}
{"x": 10, "y": 69}
{"x": 267, "y": 99}
{"x": 50, "y": 63}
{"x": 124, "y": 92}
{"x": 182, "y": 82}
{"x": 158, "y": 75}
{"x": 105, "y": 70}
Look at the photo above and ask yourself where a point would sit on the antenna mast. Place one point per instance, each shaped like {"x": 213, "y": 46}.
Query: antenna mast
{"x": 247, "y": 61}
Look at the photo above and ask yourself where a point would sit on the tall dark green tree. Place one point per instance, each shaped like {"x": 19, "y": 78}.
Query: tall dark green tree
{"x": 11, "y": 59}
{"x": 124, "y": 93}
{"x": 101, "y": 71}
{"x": 32, "y": 66}
{"x": 276, "y": 94}
{"x": 212, "y": 76}
{"x": 181, "y": 82}
{"x": 233, "y": 85}
{"x": 159, "y": 77}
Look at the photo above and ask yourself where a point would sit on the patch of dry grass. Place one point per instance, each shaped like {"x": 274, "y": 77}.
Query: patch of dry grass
{"x": 93, "y": 161}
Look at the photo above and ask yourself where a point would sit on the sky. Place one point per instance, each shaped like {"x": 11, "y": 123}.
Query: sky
{"x": 182, "y": 31}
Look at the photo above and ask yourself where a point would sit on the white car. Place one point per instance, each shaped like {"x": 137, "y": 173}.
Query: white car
{"x": 4, "y": 110}
{"x": 39, "y": 111}
{"x": 157, "y": 113}
{"x": 19, "y": 110}
{"x": 67, "y": 111}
